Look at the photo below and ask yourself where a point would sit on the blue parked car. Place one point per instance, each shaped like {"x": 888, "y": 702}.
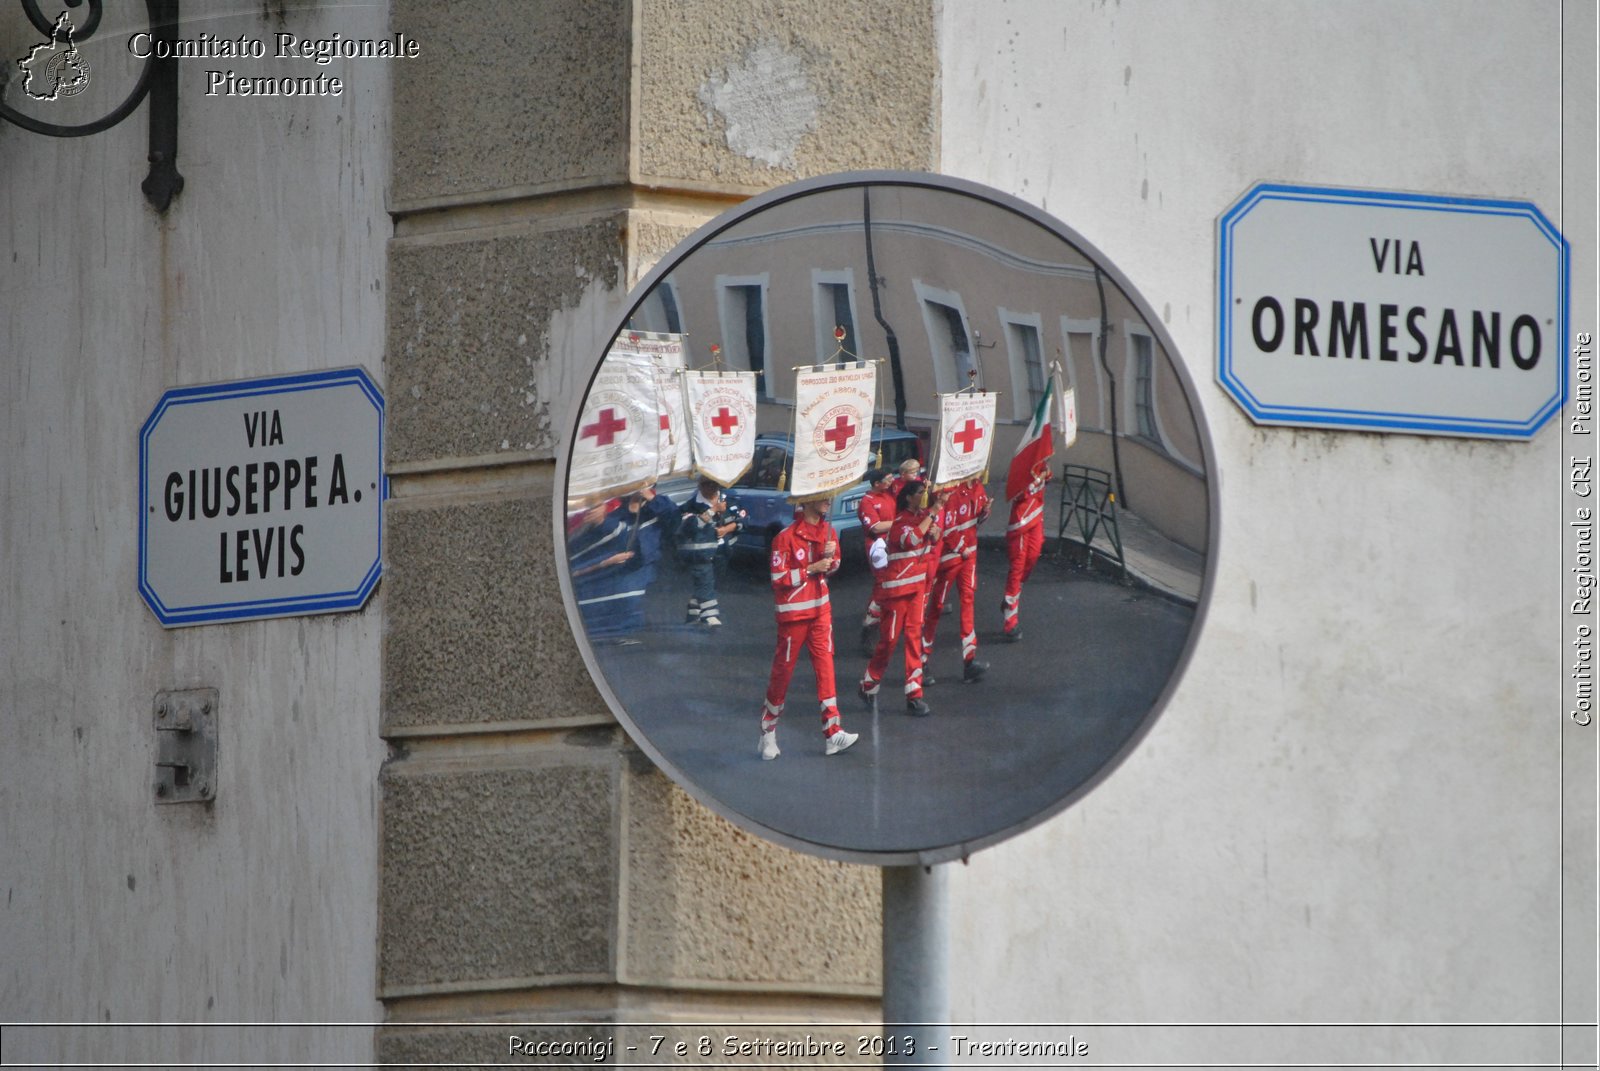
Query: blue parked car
{"x": 768, "y": 509}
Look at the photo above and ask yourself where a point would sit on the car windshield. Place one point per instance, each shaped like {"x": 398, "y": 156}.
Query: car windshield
{"x": 766, "y": 469}
{"x": 897, "y": 450}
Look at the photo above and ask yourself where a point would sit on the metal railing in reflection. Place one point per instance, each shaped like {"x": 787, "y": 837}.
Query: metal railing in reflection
{"x": 1089, "y": 507}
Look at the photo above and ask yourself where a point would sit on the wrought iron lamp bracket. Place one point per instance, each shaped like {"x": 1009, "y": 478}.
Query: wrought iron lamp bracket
{"x": 158, "y": 80}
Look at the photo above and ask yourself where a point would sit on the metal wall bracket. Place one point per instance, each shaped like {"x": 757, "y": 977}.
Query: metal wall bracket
{"x": 157, "y": 81}
{"x": 186, "y": 745}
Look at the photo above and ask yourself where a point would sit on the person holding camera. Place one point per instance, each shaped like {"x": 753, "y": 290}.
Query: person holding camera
{"x": 706, "y": 527}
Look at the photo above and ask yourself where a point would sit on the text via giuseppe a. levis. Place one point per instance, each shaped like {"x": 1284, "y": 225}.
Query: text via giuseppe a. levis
{"x": 1583, "y": 504}
{"x": 709, "y": 1046}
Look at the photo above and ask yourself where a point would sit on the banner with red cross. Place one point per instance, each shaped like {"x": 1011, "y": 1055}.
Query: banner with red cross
{"x": 1069, "y": 416}
{"x": 669, "y": 353}
{"x": 966, "y": 434}
{"x": 618, "y": 446}
{"x": 833, "y": 407}
{"x": 722, "y": 421}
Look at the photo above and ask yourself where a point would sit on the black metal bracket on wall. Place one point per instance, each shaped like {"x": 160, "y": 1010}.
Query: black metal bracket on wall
{"x": 158, "y": 80}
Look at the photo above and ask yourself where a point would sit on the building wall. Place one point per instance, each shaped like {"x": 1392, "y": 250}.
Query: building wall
{"x": 424, "y": 812}
{"x": 259, "y": 906}
{"x": 995, "y": 269}
{"x": 535, "y": 869}
{"x": 1350, "y": 811}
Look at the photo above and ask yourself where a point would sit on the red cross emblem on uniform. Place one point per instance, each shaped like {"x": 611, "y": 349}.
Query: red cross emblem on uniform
{"x": 840, "y": 434}
{"x": 605, "y": 428}
{"x": 725, "y": 421}
{"x": 968, "y": 436}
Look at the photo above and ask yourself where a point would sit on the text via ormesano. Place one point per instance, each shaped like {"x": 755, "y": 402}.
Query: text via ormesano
{"x": 1580, "y": 528}
{"x": 320, "y": 51}
{"x": 1392, "y": 312}
{"x": 1389, "y": 331}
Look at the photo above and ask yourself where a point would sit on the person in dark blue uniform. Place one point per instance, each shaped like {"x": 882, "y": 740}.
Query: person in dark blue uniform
{"x": 706, "y": 524}
{"x": 613, "y": 554}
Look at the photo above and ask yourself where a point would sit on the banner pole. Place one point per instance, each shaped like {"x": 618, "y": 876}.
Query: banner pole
{"x": 916, "y": 965}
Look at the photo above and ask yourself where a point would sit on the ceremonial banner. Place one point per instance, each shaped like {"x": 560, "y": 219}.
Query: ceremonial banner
{"x": 832, "y": 428}
{"x": 722, "y": 423}
{"x": 1069, "y": 417}
{"x": 669, "y": 354}
{"x": 619, "y": 434}
{"x": 966, "y": 433}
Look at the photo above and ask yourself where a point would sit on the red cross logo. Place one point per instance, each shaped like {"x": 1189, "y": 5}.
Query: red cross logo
{"x": 605, "y": 428}
{"x": 840, "y": 434}
{"x": 968, "y": 436}
{"x": 725, "y": 421}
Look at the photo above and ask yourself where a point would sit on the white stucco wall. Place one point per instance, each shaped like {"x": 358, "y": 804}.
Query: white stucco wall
{"x": 1351, "y": 810}
{"x": 262, "y": 906}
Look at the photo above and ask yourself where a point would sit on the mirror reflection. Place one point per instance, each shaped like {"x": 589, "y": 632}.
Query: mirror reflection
{"x": 886, "y": 517}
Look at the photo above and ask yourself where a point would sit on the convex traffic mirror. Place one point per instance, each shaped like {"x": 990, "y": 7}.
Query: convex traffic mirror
{"x": 887, "y": 516}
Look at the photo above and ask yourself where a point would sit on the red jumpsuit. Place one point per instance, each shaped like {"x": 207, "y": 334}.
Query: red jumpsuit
{"x": 875, "y": 507}
{"x": 805, "y": 619}
{"x": 964, "y": 510}
{"x": 904, "y": 589}
{"x": 1024, "y": 541}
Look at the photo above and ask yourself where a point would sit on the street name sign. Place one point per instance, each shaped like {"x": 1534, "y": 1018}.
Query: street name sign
{"x": 262, "y": 498}
{"x": 1396, "y": 312}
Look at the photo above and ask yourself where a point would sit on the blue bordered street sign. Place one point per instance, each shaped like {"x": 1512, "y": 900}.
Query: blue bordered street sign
{"x": 1399, "y": 312}
{"x": 262, "y": 498}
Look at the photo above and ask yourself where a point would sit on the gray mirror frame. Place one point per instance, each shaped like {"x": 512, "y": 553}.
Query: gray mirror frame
{"x": 960, "y": 849}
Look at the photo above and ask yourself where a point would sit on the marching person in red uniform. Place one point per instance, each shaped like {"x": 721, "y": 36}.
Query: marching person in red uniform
{"x": 804, "y": 555}
{"x": 1024, "y": 541}
{"x": 911, "y": 538}
{"x": 910, "y": 469}
{"x": 964, "y": 509}
{"x": 876, "y": 510}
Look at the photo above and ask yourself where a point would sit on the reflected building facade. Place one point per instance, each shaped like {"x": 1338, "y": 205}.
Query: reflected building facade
{"x": 975, "y": 296}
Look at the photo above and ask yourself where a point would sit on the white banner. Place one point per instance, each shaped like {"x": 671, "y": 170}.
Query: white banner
{"x": 722, "y": 407}
{"x": 833, "y": 407}
{"x": 966, "y": 434}
{"x": 1069, "y": 415}
{"x": 669, "y": 352}
{"x": 619, "y": 435}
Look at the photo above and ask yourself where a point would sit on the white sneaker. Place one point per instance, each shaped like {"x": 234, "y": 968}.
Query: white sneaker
{"x": 711, "y": 622}
{"x": 769, "y": 744}
{"x": 839, "y": 741}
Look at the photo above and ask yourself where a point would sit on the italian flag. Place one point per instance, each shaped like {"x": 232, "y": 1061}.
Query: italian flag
{"x": 1036, "y": 445}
